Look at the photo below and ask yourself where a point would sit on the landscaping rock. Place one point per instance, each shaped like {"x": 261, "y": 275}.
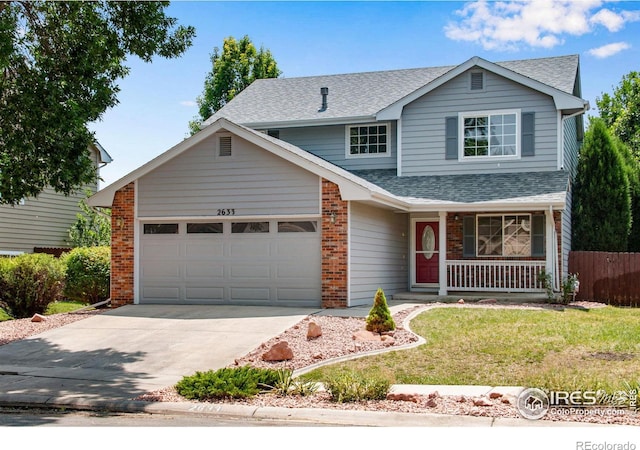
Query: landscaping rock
{"x": 278, "y": 352}
{"x": 403, "y": 397}
{"x": 461, "y": 301}
{"x": 364, "y": 335}
{"x": 313, "y": 331}
{"x": 495, "y": 395}
{"x": 388, "y": 340}
{"x": 38, "y": 318}
{"x": 432, "y": 403}
{"x": 482, "y": 402}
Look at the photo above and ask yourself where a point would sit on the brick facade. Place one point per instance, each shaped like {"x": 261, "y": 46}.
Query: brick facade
{"x": 122, "y": 235}
{"x": 335, "y": 222}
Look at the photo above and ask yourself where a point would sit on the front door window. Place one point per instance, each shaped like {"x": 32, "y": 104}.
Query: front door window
{"x": 426, "y": 252}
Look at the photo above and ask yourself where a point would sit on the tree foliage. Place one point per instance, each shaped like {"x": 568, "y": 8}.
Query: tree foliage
{"x": 633, "y": 174}
{"x": 92, "y": 227}
{"x": 59, "y": 67}
{"x": 233, "y": 70}
{"x": 601, "y": 200}
{"x": 621, "y": 111}
{"x": 379, "y": 319}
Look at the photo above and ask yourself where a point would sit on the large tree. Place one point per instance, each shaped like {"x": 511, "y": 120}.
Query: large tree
{"x": 621, "y": 111}
{"x": 233, "y": 70}
{"x": 601, "y": 198}
{"x": 59, "y": 67}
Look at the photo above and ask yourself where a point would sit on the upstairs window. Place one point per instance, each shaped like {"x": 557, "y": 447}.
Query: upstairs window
{"x": 494, "y": 134}
{"x": 368, "y": 140}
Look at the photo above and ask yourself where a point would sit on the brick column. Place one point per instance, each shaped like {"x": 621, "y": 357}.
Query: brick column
{"x": 122, "y": 257}
{"x": 335, "y": 215}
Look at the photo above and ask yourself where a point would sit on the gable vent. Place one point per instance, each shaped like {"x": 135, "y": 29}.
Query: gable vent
{"x": 224, "y": 146}
{"x": 477, "y": 81}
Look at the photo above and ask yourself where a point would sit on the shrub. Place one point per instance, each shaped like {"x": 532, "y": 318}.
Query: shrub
{"x": 379, "y": 319}
{"x": 88, "y": 272}
{"x": 28, "y": 283}
{"x": 347, "y": 387}
{"x": 286, "y": 385}
{"x": 236, "y": 382}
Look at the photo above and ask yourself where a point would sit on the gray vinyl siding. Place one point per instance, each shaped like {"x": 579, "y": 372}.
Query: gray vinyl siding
{"x": 378, "y": 253}
{"x": 329, "y": 143}
{"x": 250, "y": 182}
{"x": 43, "y": 221}
{"x": 423, "y": 127}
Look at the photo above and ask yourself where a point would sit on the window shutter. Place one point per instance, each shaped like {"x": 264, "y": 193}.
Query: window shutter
{"x": 451, "y": 137}
{"x": 468, "y": 236}
{"x": 528, "y": 134}
{"x": 537, "y": 235}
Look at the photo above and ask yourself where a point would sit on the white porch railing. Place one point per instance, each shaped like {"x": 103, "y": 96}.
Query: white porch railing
{"x": 499, "y": 276}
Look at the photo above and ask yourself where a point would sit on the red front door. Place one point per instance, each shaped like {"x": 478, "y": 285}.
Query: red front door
{"x": 427, "y": 250}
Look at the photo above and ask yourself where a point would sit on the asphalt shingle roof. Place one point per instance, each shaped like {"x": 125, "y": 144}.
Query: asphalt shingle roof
{"x": 472, "y": 188}
{"x": 355, "y": 95}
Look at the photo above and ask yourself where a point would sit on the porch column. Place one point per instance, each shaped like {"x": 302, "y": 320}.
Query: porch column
{"x": 442, "y": 254}
{"x": 550, "y": 246}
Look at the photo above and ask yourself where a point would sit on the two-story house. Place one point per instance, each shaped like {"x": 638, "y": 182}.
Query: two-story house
{"x": 42, "y": 223}
{"x": 318, "y": 190}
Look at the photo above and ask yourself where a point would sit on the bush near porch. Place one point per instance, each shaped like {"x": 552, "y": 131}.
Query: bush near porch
{"x": 566, "y": 349}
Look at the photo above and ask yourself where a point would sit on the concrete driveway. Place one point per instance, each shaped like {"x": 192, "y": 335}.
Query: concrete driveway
{"x": 120, "y": 354}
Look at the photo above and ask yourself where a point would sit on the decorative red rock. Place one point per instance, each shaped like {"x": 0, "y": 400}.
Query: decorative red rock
{"x": 38, "y": 318}
{"x": 314, "y": 330}
{"x": 278, "y": 352}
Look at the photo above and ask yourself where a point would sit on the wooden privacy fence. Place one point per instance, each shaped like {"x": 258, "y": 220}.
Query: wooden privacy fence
{"x": 612, "y": 278}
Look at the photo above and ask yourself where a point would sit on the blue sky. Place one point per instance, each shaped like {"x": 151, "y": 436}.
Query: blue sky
{"x": 157, "y": 99}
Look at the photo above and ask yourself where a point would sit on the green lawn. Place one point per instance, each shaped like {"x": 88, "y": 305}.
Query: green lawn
{"x": 570, "y": 349}
{"x": 3, "y": 315}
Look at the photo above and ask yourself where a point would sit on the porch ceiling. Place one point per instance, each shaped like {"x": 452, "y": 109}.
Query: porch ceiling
{"x": 545, "y": 188}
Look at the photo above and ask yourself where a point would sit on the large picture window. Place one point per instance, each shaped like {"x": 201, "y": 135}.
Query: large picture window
{"x": 368, "y": 140}
{"x": 491, "y": 134}
{"x": 504, "y": 235}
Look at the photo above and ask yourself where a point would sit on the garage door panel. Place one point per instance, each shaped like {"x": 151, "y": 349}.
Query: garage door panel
{"x": 160, "y": 249}
{"x": 260, "y": 272}
{"x": 250, "y": 248}
{"x": 204, "y": 293}
{"x": 245, "y": 293}
{"x": 300, "y": 271}
{"x": 162, "y": 293}
{"x": 204, "y": 249}
{"x": 160, "y": 269}
{"x": 296, "y": 294}
{"x": 204, "y": 269}
{"x": 294, "y": 249}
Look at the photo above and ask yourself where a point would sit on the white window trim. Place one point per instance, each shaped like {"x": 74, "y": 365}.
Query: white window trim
{"x": 478, "y": 216}
{"x": 347, "y": 141}
{"x": 467, "y": 114}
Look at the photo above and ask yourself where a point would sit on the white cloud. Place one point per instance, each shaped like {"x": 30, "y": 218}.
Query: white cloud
{"x": 188, "y": 103}
{"x": 508, "y": 25}
{"x": 609, "y": 50}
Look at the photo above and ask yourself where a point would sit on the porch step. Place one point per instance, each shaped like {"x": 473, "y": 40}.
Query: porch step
{"x": 452, "y": 297}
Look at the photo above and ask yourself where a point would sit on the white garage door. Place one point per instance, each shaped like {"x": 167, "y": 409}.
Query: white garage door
{"x": 274, "y": 262}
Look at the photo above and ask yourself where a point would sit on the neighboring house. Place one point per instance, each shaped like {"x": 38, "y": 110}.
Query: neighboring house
{"x": 318, "y": 190}
{"x": 43, "y": 222}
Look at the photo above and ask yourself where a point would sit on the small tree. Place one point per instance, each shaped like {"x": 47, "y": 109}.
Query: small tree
{"x": 602, "y": 201}
{"x": 633, "y": 174}
{"x": 233, "y": 70}
{"x": 379, "y": 319}
{"x": 92, "y": 227}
